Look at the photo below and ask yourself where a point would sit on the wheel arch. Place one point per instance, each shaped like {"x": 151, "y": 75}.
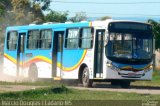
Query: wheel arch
{"x": 80, "y": 72}
{"x": 30, "y": 66}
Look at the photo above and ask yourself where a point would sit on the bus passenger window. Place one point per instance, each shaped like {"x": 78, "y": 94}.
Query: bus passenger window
{"x": 86, "y": 38}
{"x": 32, "y": 39}
{"x": 12, "y": 40}
{"x": 72, "y": 39}
{"x": 45, "y": 39}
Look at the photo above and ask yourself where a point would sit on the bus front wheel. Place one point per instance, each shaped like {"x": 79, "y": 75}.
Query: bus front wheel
{"x": 125, "y": 84}
{"x": 85, "y": 78}
{"x": 33, "y": 73}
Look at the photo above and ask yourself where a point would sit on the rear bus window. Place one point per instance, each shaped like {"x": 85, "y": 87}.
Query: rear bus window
{"x": 12, "y": 40}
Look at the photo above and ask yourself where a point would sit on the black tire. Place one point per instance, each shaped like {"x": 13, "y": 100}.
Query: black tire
{"x": 33, "y": 73}
{"x": 85, "y": 78}
{"x": 115, "y": 83}
{"x": 125, "y": 84}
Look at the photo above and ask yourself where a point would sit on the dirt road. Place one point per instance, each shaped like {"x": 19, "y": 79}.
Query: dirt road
{"x": 96, "y": 87}
{"x": 13, "y": 88}
{"x": 132, "y": 90}
{"x": 99, "y": 87}
{"x": 146, "y": 90}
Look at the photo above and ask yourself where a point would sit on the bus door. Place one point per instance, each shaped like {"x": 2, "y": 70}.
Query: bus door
{"x": 20, "y": 53}
{"x": 57, "y": 54}
{"x": 98, "y": 53}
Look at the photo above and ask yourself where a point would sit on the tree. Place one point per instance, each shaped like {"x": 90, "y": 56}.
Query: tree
{"x": 80, "y": 16}
{"x": 24, "y": 13}
{"x": 54, "y": 16}
{"x": 104, "y": 18}
{"x": 156, "y": 32}
{"x": 4, "y": 5}
{"x": 1, "y": 8}
{"x": 20, "y": 12}
{"x": 43, "y": 3}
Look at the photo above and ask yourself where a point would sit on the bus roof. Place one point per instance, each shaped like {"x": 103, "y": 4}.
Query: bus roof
{"x": 43, "y": 26}
{"x": 67, "y": 25}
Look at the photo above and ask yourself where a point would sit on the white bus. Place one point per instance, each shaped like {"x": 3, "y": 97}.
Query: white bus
{"x": 115, "y": 51}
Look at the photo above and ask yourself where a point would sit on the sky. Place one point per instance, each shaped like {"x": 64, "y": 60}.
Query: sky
{"x": 115, "y": 8}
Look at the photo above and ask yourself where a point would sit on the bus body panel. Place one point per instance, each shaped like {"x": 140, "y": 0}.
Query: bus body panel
{"x": 123, "y": 71}
{"x": 13, "y": 59}
{"x": 10, "y": 65}
{"x": 69, "y": 61}
{"x": 42, "y": 59}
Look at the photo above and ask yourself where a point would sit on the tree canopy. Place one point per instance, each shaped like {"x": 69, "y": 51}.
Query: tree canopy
{"x": 21, "y": 12}
{"x": 104, "y": 18}
{"x": 80, "y": 16}
{"x": 54, "y": 16}
{"x": 44, "y": 4}
{"x": 4, "y": 5}
{"x": 156, "y": 32}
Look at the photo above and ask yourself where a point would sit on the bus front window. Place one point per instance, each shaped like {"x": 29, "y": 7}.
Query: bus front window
{"x": 130, "y": 46}
{"x": 121, "y": 45}
{"x": 142, "y": 48}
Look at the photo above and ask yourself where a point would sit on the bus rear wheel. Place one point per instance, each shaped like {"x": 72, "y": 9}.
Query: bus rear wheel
{"x": 33, "y": 73}
{"x": 125, "y": 84}
{"x": 85, "y": 78}
{"x": 121, "y": 83}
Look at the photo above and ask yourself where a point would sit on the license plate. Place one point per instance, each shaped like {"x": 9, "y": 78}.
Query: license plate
{"x": 131, "y": 74}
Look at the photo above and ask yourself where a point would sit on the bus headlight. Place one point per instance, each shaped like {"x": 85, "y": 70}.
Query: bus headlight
{"x": 148, "y": 68}
{"x": 151, "y": 66}
{"x": 109, "y": 64}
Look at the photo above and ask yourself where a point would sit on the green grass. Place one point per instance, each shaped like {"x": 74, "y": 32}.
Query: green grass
{"x": 57, "y": 92}
{"x": 29, "y": 83}
{"x": 155, "y": 82}
{"x": 63, "y": 93}
{"x": 156, "y": 75}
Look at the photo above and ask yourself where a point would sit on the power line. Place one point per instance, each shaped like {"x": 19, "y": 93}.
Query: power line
{"x": 151, "y": 15}
{"x": 58, "y": 1}
{"x": 125, "y": 14}
{"x": 72, "y": 2}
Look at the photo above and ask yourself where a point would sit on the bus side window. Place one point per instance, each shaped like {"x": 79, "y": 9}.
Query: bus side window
{"x": 32, "y": 39}
{"x": 72, "y": 38}
{"x": 45, "y": 39}
{"x": 86, "y": 39}
{"x": 12, "y": 38}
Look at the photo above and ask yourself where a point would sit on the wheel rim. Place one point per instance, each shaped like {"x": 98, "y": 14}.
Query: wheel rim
{"x": 85, "y": 77}
{"x": 33, "y": 75}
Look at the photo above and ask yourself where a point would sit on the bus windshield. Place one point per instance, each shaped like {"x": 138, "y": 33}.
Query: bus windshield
{"x": 128, "y": 45}
{"x": 130, "y": 42}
